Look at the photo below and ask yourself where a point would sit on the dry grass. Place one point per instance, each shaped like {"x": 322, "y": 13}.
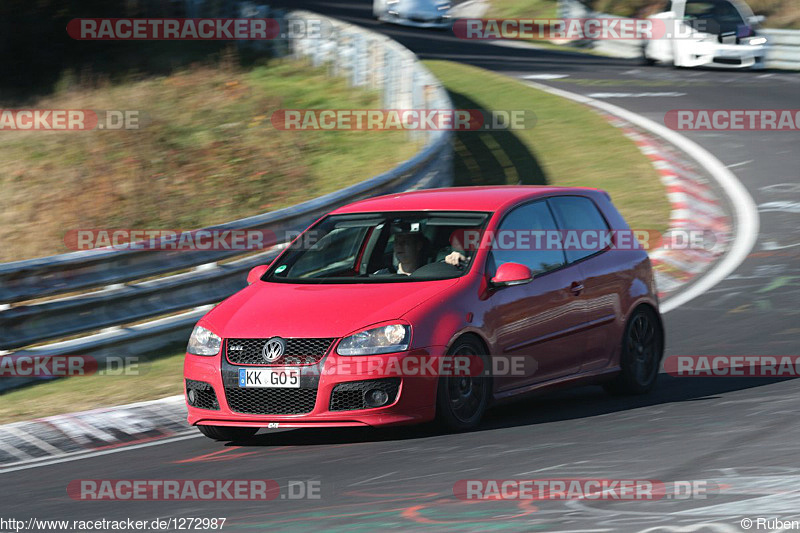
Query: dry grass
{"x": 573, "y": 145}
{"x": 157, "y": 379}
{"x": 207, "y": 153}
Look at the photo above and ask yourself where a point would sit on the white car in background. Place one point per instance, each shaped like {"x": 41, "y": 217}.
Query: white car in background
{"x": 714, "y": 33}
{"x": 417, "y": 13}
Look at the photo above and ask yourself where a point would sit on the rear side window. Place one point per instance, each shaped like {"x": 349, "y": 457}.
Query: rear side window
{"x": 512, "y": 244}
{"x": 579, "y": 214}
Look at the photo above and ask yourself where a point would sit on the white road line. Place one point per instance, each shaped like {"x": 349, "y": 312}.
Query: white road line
{"x": 545, "y": 469}
{"x": 637, "y": 95}
{"x": 371, "y": 479}
{"x": 545, "y": 76}
{"x": 745, "y": 211}
{"x": 14, "y": 467}
{"x": 743, "y": 163}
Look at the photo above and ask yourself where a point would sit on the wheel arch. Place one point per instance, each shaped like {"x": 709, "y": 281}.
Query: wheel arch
{"x": 469, "y": 334}
{"x": 475, "y": 335}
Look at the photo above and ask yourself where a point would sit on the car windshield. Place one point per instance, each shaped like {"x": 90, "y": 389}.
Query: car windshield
{"x": 715, "y": 17}
{"x": 381, "y": 248}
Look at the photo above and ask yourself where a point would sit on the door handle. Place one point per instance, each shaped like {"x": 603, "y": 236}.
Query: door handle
{"x": 576, "y": 288}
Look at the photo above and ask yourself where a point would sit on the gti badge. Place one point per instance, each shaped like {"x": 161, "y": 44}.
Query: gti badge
{"x": 273, "y": 349}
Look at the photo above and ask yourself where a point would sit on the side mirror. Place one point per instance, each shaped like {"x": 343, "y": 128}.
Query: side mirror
{"x": 256, "y": 273}
{"x": 512, "y": 274}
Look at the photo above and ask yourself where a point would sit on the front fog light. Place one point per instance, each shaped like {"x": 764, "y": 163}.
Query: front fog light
{"x": 376, "y": 398}
{"x": 192, "y": 396}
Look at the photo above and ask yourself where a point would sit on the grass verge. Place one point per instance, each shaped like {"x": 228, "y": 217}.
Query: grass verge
{"x": 205, "y": 154}
{"x": 158, "y": 378}
{"x": 570, "y": 145}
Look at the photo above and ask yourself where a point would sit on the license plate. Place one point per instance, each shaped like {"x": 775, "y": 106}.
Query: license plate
{"x": 271, "y": 378}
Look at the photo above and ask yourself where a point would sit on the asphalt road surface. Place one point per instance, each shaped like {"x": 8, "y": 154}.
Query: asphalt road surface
{"x": 739, "y": 433}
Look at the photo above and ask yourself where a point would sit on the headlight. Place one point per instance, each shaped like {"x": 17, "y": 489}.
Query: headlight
{"x": 203, "y": 342}
{"x": 755, "y": 41}
{"x": 385, "y": 339}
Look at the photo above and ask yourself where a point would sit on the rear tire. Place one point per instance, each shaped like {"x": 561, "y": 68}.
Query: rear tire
{"x": 462, "y": 401}
{"x": 645, "y": 59}
{"x": 641, "y": 352}
{"x": 227, "y": 433}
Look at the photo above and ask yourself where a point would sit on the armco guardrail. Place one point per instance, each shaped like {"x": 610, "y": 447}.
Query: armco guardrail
{"x": 366, "y": 59}
{"x": 783, "y": 51}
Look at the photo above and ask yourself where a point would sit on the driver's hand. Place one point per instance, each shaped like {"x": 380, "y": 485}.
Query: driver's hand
{"x": 455, "y": 258}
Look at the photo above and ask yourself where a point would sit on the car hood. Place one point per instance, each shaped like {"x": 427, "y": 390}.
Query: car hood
{"x": 304, "y": 310}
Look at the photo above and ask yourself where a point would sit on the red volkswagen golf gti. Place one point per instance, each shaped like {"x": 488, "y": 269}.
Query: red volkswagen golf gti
{"x": 429, "y": 304}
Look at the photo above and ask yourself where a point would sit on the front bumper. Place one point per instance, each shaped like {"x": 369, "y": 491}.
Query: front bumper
{"x": 417, "y": 20}
{"x": 414, "y": 403}
{"x": 711, "y": 54}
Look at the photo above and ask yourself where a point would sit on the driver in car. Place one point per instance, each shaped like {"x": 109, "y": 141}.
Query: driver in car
{"x": 409, "y": 251}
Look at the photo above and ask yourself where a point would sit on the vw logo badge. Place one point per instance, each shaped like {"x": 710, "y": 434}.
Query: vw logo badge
{"x": 273, "y": 349}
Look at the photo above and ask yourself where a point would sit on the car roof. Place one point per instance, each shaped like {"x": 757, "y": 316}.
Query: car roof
{"x": 480, "y": 198}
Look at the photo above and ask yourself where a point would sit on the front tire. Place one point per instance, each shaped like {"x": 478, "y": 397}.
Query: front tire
{"x": 462, "y": 401}
{"x": 227, "y": 433}
{"x": 645, "y": 59}
{"x": 641, "y": 352}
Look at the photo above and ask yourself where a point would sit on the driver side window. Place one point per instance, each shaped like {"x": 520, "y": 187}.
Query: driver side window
{"x": 516, "y": 242}
{"x": 336, "y": 250}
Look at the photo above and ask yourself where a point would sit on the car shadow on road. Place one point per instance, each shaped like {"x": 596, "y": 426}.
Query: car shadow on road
{"x": 492, "y": 157}
{"x": 569, "y": 404}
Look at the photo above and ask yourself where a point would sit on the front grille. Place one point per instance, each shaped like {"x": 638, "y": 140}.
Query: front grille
{"x": 351, "y": 395}
{"x": 298, "y": 351}
{"x": 205, "y": 397}
{"x": 271, "y": 401}
{"x": 727, "y": 60}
